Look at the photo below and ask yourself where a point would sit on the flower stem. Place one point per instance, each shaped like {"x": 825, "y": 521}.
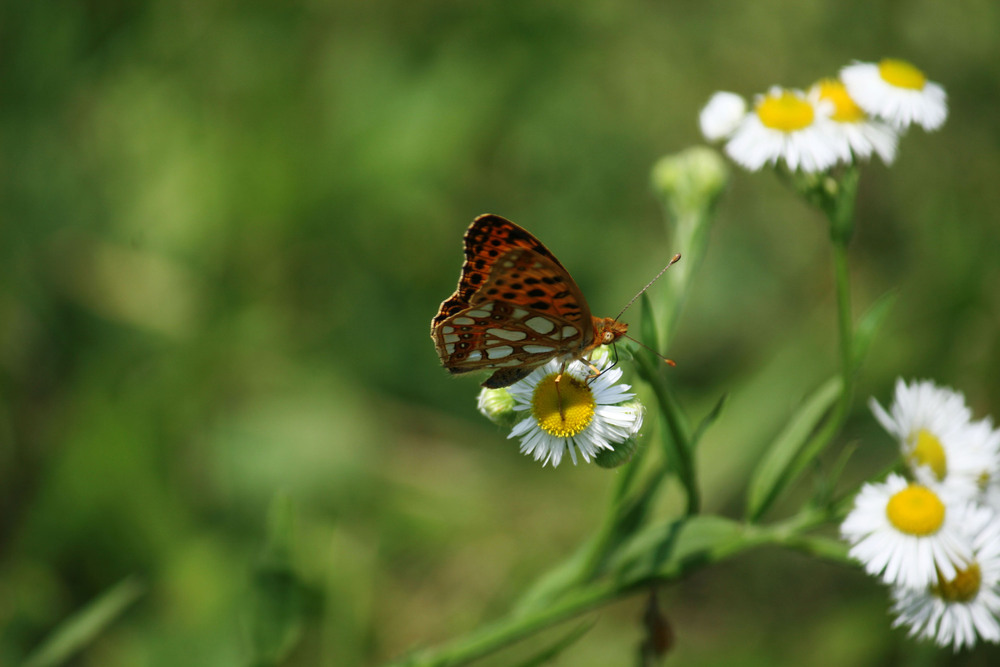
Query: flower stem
{"x": 844, "y": 322}
{"x": 680, "y": 454}
{"x": 836, "y": 198}
{"x": 790, "y": 533}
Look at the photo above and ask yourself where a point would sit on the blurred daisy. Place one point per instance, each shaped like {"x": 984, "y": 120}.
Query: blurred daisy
{"x": 974, "y": 460}
{"x": 957, "y": 609}
{"x": 585, "y": 416}
{"x": 785, "y": 125}
{"x": 991, "y": 495}
{"x": 722, "y": 115}
{"x": 897, "y": 92}
{"x": 857, "y": 131}
{"x": 929, "y": 422}
{"x": 905, "y": 533}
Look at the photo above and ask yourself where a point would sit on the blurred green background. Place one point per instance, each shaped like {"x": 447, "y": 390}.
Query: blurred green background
{"x": 224, "y": 228}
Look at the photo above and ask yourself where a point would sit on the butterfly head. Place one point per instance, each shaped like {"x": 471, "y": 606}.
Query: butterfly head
{"x": 608, "y": 330}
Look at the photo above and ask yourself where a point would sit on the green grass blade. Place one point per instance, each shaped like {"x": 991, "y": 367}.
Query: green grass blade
{"x": 559, "y": 646}
{"x": 771, "y": 475}
{"x": 85, "y": 625}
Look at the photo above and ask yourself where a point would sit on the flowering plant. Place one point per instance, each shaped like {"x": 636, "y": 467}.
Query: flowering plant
{"x": 927, "y": 527}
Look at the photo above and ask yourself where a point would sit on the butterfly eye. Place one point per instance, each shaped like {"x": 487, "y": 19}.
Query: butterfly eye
{"x": 608, "y": 338}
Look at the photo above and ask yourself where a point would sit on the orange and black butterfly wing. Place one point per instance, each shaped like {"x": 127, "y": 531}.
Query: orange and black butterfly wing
{"x": 525, "y": 308}
{"x": 488, "y": 237}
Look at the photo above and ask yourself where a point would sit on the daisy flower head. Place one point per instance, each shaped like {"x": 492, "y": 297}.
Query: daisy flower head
{"x": 957, "y": 610}
{"x": 583, "y": 414}
{"x": 991, "y": 495}
{"x": 858, "y": 132}
{"x": 929, "y": 422}
{"x": 897, "y": 92}
{"x": 785, "y": 125}
{"x": 974, "y": 460}
{"x": 906, "y": 533}
{"x": 720, "y": 117}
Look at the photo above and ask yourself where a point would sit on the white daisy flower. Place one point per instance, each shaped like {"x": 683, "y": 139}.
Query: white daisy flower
{"x": 785, "y": 125}
{"x": 897, "y": 92}
{"x": 722, "y": 115}
{"x": 991, "y": 495}
{"x": 858, "y": 132}
{"x": 959, "y": 609}
{"x": 974, "y": 460}
{"x": 582, "y": 415}
{"x": 929, "y": 423}
{"x": 905, "y": 533}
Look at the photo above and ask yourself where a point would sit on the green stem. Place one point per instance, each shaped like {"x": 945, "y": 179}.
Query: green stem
{"x": 845, "y": 324}
{"x": 679, "y": 441}
{"x": 838, "y": 204}
{"x": 598, "y": 548}
{"x": 494, "y": 637}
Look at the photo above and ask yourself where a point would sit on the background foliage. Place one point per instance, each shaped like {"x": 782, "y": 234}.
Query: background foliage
{"x": 224, "y": 228}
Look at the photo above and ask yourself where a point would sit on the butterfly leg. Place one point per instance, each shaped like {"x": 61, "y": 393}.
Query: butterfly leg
{"x": 595, "y": 372}
{"x": 562, "y": 413}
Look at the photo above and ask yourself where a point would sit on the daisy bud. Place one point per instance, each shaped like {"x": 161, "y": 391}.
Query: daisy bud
{"x": 497, "y": 405}
{"x": 691, "y": 181}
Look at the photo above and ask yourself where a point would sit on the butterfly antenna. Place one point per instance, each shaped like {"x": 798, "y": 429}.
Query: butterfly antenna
{"x": 648, "y": 285}
{"x": 669, "y": 362}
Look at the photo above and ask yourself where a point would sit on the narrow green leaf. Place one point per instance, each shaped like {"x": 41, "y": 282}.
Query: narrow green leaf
{"x": 278, "y": 594}
{"x": 708, "y": 420}
{"x": 554, "y": 583}
{"x": 771, "y": 476}
{"x": 868, "y": 326}
{"x": 821, "y": 547}
{"x": 828, "y": 483}
{"x": 667, "y": 551}
{"x": 85, "y": 625}
{"x": 559, "y": 646}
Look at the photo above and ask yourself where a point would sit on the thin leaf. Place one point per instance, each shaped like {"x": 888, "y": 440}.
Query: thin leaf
{"x": 667, "y": 551}
{"x": 708, "y": 420}
{"x": 828, "y": 482}
{"x": 559, "y": 646}
{"x": 85, "y": 625}
{"x": 822, "y": 547}
{"x": 278, "y": 594}
{"x": 868, "y": 326}
{"x": 772, "y": 475}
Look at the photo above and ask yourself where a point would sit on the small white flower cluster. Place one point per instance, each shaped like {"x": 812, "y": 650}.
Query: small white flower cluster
{"x": 836, "y": 121}
{"x": 935, "y": 537}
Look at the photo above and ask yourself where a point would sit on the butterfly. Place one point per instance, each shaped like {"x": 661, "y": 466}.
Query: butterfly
{"x": 516, "y": 307}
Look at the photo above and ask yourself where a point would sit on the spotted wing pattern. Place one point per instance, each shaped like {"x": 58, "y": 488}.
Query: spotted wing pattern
{"x": 515, "y": 308}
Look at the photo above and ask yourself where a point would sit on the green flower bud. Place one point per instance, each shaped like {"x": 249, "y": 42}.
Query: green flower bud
{"x": 691, "y": 181}
{"x": 497, "y": 405}
{"x": 620, "y": 455}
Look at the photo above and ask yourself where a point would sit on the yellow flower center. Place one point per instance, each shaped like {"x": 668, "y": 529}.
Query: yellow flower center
{"x": 928, "y": 451}
{"x": 916, "y": 510}
{"x": 785, "y": 111}
{"x": 963, "y": 588}
{"x": 983, "y": 480}
{"x": 565, "y": 412}
{"x": 901, "y": 74}
{"x": 844, "y": 108}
